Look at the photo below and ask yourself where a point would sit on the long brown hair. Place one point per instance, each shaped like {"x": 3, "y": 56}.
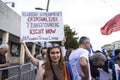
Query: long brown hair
{"x": 48, "y": 59}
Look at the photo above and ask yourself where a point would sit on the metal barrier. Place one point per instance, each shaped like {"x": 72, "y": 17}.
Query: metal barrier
{"x": 23, "y": 72}
{"x": 28, "y": 75}
{"x": 12, "y": 70}
{"x": 16, "y": 77}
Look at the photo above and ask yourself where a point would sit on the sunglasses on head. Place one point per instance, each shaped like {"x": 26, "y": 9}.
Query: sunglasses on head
{"x": 51, "y": 46}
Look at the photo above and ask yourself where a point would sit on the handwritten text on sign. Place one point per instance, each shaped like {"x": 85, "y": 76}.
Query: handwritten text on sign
{"x": 45, "y": 26}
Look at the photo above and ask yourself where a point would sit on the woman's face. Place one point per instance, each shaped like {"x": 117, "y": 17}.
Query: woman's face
{"x": 87, "y": 44}
{"x": 2, "y": 51}
{"x": 100, "y": 63}
{"x": 55, "y": 55}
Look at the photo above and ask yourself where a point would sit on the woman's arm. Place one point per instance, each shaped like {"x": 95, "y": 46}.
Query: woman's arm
{"x": 32, "y": 59}
{"x": 40, "y": 73}
{"x": 4, "y": 65}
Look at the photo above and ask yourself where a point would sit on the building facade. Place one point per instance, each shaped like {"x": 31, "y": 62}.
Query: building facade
{"x": 10, "y": 23}
{"x": 113, "y": 45}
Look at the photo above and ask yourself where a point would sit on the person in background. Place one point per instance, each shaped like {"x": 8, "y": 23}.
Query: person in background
{"x": 63, "y": 47}
{"x": 112, "y": 63}
{"x": 79, "y": 60}
{"x": 3, "y": 62}
{"x": 109, "y": 55}
{"x": 96, "y": 61}
{"x": 117, "y": 67}
{"x": 42, "y": 54}
{"x": 68, "y": 52}
{"x": 97, "y": 51}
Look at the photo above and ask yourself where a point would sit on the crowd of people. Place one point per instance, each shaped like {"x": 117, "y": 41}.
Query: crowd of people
{"x": 61, "y": 64}
{"x": 57, "y": 63}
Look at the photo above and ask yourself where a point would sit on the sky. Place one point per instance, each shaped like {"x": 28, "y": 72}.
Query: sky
{"x": 86, "y": 17}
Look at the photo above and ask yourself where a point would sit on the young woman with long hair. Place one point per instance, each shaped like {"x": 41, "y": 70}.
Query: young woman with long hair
{"x": 55, "y": 68}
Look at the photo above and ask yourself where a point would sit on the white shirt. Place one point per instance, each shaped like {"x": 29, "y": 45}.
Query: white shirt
{"x": 75, "y": 63}
{"x": 63, "y": 50}
{"x": 117, "y": 70}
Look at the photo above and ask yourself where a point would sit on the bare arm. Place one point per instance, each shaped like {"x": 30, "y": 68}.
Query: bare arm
{"x": 32, "y": 58}
{"x": 4, "y": 65}
{"x": 84, "y": 67}
{"x": 63, "y": 47}
{"x": 40, "y": 73}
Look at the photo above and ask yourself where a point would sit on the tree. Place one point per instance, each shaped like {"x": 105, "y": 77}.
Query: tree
{"x": 71, "y": 40}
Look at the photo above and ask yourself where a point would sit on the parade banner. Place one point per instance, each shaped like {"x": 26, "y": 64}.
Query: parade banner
{"x": 42, "y": 26}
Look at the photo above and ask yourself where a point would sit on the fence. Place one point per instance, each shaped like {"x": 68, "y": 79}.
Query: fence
{"x": 20, "y": 72}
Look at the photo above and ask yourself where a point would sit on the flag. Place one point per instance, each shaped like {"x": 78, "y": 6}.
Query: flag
{"x": 113, "y": 51}
{"x": 112, "y": 25}
{"x": 104, "y": 51}
{"x": 67, "y": 71}
{"x": 91, "y": 51}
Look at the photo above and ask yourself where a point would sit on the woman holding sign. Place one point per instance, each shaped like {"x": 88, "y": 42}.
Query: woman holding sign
{"x": 55, "y": 67}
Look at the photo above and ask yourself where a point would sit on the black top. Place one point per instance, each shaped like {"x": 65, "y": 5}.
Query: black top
{"x": 94, "y": 72}
{"x": 2, "y": 59}
{"x": 4, "y": 72}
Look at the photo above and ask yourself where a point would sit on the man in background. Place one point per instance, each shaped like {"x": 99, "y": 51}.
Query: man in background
{"x": 79, "y": 60}
{"x": 3, "y": 62}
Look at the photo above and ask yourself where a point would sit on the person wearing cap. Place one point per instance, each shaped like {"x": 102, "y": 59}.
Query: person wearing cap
{"x": 3, "y": 62}
{"x": 79, "y": 60}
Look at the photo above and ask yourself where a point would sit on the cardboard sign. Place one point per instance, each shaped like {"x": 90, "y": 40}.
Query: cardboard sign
{"x": 42, "y": 26}
{"x": 104, "y": 75}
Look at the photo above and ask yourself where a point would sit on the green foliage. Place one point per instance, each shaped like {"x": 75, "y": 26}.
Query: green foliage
{"x": 71, "y": 40}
